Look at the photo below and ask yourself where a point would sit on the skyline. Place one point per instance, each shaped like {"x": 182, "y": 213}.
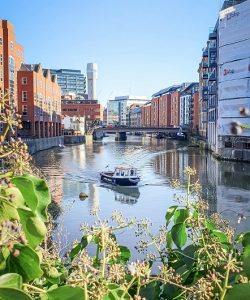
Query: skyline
{"x": 139, "y": 47}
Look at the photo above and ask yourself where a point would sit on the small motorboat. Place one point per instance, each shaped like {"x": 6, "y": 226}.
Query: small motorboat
{"x": 123, "y": 176}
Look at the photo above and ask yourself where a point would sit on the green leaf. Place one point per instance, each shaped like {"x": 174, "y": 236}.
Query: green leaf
{"x": 52, "y": 275}
{"x": 151, "y": 291}
{"x": 4, "y": 254}
{"x": 179, "y": 235}
{"x": 246, "y": 260}
{"x": 11, "y": 280}
{"x": 125, "y": 254}
{"x": 169, "y": 239}
{"x": 66, "y": 293}
{"x": 246, "y": 239}
{"x": 10, "y": 294}
{"x": 34, "y": 228}
{"x": 123, "y": 258}
{"x": 26, "y": 264}
{"x": 7, "y": 211}
{"x": 222, "y": 238}
{"x": 35, "y": 193}
{"x": 115, "y": 293}
{"x": 181, "y": 215}
{"x": 210, "y": 225}
{"x": 86, "y": 239}
{"x": 17, "y": 198}
{"x": 189, "y": 255}
{"x": 239, "y": 291}
{"x": 170, "y": 212}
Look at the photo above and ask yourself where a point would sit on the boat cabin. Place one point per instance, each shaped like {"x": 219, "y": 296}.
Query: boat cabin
{"x": 125, "y": 171}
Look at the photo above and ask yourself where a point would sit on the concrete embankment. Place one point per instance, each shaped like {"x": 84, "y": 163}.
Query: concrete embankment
{"x": 74, "y": 139}
{"x": 35, "y": 145}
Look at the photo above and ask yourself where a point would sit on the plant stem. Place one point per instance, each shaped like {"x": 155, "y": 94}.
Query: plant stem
{"x": 138, "y": 287}
{"x": 225, "y": 286}
{"x": 34, "y": 288}
{"x": 97, "y": 253}
{"x": 128, "y": 287}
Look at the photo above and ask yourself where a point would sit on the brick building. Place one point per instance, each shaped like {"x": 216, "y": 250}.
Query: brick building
{"x": 161, "y": 107}
{"x": 39, "y": 102}
{"x": 146, "y": 114}
{"x": 155, "y": 112}
{"x": 90, "y": 109}
{"x": 11, "y": 58}
{"x": 175, "y": 109}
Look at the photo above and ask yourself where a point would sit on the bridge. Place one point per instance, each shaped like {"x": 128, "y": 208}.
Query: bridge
{"x": 122, "y": 130}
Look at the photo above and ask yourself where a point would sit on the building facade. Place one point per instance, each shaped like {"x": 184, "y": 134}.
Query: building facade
{"x": 161, "y": 106}
{"x": 146, "y": 114}
{"x": 90, "y": 109}
{"x": 117, "y": 108}
{"x": 39, "y": 102}
{"x": 175, "y": 109}
{"x": 134, "y": 117}
{"x": 11, "y": 58}
{"x": 234, "y": 81}
{"x": 71, "y": 81}
{"x": 186, "y": 104}
{"x": 73, "y": 125}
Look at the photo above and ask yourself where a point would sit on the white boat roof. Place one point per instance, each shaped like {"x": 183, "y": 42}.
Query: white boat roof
{"x": 124, "y": 167}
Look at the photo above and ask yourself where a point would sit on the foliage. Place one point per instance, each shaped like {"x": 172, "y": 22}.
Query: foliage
{"x": 194, "y": 256}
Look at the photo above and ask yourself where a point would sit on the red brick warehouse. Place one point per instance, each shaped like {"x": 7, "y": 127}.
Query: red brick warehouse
{"x": 39, "y": 102}
{"x": 11, "y": 58}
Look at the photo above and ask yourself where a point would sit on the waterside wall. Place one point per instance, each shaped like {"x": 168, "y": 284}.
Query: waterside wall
{"x": 35, "y": 145}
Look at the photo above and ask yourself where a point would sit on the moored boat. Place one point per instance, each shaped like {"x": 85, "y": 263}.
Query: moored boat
{"x": 122, "y": 175}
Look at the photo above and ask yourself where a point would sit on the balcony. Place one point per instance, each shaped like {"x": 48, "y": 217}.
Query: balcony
{"x": 212, "y": 90}
{"x": 205, "y": 75}
{"x": 212, "y": 63}
{"x": 204, "y": 88}
{"x": 204, "y": 64}
{"x": 212, "y": 35}
{"x": 212, "y": 76}
{"x": 205, "y": 52}
{"x": 204, "y": 97}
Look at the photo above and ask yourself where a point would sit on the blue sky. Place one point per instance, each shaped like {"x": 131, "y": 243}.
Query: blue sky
{"x": 140, "y": 46}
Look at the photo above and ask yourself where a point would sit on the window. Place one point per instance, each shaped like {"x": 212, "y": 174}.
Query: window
{"x": 24, "y": 80}
{"x": 1, "y": 41}
{"x": 11, "y": 45}
{"x": 1, "y": 74}
{"x": 24, "y": 110}
{"x": 1, "y": 59}
{"x": 24, "y": 96}
{"x": 1, "y": 126}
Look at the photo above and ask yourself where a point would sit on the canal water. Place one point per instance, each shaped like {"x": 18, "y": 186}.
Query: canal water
{"x": 76, "y": 168}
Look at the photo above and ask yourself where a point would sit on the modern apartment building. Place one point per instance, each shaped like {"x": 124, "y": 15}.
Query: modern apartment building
{"x": 186, "y": 104}
{"x": 11, "y": 58}
{"x": 39, "y": 102}
{"x": 212, "y": 102}
{"x": 234, "y": 81}
{"x": 71, "y": 81}
{"x": 117, "y": 108}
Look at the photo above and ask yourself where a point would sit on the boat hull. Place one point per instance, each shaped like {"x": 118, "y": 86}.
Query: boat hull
{"x": 132, "y": 181}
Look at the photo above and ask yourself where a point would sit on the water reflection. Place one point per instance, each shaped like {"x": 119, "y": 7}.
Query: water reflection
{"x": 127, "y": 195}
